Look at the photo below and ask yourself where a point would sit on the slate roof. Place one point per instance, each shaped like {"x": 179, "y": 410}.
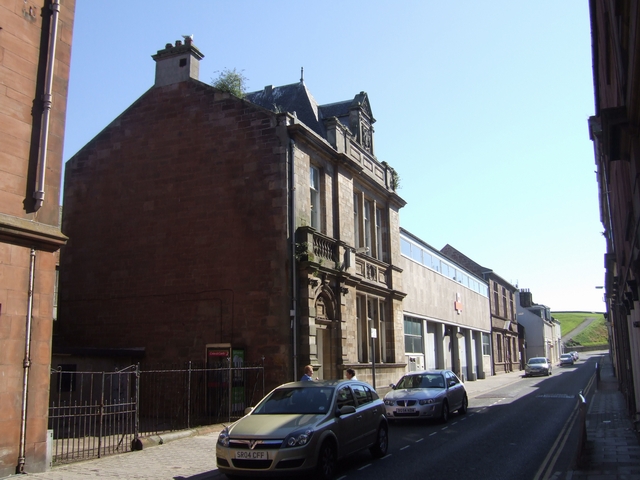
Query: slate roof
{"x": 296, "y": 98}
{"x": 291, "y": 98}
{"x": 339, "y": 110}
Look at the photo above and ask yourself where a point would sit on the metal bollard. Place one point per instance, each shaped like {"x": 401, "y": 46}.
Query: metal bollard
{"x": 598, "y": 375}
{"x": 582, "y": 459}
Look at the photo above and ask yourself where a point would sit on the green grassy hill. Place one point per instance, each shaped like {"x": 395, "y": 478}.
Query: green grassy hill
{"x": 595, "y": 334}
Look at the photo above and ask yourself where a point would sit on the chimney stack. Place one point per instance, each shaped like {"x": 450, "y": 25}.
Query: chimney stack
{"x": 526, "y": 299}
{"x": 177, "y": 63}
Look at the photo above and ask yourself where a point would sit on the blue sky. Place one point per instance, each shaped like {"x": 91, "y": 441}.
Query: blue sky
{"x": 481, "y": 107}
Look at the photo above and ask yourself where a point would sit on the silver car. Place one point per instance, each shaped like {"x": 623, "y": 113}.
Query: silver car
{"x": 537, "y": 366}
{"x": 566, "y": 359}
{"x": 304, "y": 426}
{"x": 427, "y": 394}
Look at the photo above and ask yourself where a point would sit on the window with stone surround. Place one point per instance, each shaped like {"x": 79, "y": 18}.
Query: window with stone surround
{"x": 370, "y": 227}
{"x": 372, "y": 313}
{"x": 356, "y": 220}
{"x": 513, "y": 313}
{"x": 382, "y": 251}
{"x": 486, "y": 346}
{"x": 505, "y": 312}
{"x": 413, "y": 335}
{"x": 362, "y": 329}
{"x": 316, "y": 198}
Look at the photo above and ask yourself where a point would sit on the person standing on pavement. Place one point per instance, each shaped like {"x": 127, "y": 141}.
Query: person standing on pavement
{"x": 351, "y": 374}
{"x": 308, "y": 374}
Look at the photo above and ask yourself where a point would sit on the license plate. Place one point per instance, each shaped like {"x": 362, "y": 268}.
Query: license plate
{"x": 405, "y": 410}
{"x": 252, "y": 454}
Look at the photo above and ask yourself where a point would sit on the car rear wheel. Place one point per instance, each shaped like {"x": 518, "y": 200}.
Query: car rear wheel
{"x": 465, "y": 403}
{"x": 444, "y": 416}
{"x": 326, "y": 467}
{"x": 379, "y": 449}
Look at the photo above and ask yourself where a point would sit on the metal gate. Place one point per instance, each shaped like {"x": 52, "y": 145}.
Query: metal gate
{"x": 93, "y": 414}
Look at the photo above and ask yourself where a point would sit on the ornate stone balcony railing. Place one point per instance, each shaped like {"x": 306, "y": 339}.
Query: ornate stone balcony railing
{"x": 312, "y": 246}
{"x": 372, "y": 270}
{"x": 324, "y": 247}
{"x": 331, "y": 254}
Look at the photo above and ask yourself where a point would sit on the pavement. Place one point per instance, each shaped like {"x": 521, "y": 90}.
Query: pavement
{"x": 611, "y": 450}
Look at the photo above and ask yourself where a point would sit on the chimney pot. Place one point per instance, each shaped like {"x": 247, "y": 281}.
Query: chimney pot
{"x": 177, "y": 63}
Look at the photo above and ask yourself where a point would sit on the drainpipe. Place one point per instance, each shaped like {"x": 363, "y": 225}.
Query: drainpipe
{"x": 294, "y": 265}
{"x": 38, "y": 194}
{"x": 27, "y": 365}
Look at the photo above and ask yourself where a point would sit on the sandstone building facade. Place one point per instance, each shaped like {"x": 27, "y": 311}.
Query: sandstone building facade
{"x": 35, "y": 49}
{"x": 505, "y": 344}
{"x": 616, "y": 140}
{"x": 198, "y": 220}
{"x": 542, "y": 332}
{"x": 447, "y": 320}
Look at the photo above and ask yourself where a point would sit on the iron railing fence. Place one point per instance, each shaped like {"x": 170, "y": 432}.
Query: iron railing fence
{"x": 175, "y": 399}
{"x": 93, "y": 414}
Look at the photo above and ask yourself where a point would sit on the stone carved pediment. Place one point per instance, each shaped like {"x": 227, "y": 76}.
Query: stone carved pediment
{"x": 361, "y": 121}
{"x": 325, "y": 305}
{"x": 321, "y": 309}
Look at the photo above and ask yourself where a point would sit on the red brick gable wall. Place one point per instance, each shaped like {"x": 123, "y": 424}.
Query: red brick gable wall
{"x": 177, "y": 219}
{"x": 26, "y": 309}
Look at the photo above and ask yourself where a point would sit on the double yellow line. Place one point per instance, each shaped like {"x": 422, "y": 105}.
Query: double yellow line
{"x": 546, "y": 469}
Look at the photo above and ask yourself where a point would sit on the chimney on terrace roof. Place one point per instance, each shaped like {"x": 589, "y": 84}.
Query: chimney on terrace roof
{"x": 526, "y": 299}
{"x": 177, "y": 63}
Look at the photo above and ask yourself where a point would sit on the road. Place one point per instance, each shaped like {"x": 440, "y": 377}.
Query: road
{"x": 511, "y": 433}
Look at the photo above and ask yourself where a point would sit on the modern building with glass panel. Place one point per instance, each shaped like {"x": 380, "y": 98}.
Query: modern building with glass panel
{"x": 447, "y": 319}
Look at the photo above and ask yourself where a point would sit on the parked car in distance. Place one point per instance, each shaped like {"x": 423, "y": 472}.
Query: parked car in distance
{"x": 537, "y": 366}
{"x": 304, "y": 426}
{"x": 427, "y": 394}
{"x": 576, "y": 356}
{"x": 566, "y": 359}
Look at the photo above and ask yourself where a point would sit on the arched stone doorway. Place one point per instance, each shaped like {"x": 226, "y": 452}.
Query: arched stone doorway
{"x": 327, "y": 335}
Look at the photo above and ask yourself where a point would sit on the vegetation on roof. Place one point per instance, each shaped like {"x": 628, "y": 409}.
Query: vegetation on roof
{"x": 231, "y": 81}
